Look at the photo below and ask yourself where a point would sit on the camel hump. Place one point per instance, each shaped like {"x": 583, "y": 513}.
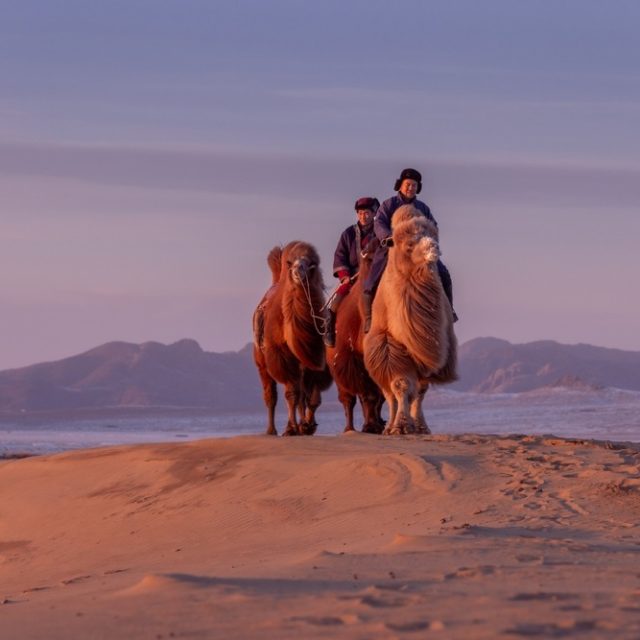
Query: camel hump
{"x": 409, "y": 220}
{"x": 405, "y": 213}
{"x": 274, "y": 260}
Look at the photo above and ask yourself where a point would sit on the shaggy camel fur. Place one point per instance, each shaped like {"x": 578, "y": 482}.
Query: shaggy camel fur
{"x": 411, "y": 342}
{"x": 288, "y": 347}
{"x": 346, "y": 360}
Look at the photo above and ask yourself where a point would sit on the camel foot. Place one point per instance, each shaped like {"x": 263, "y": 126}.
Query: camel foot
{"x": 403, "y": 424}
{"x": 347, "y": 429}
{"x": 373, "y": 427}
{"x": 307, "y": 428}
{"x": 422, "y": 429}
{"x": 271, "y": 431}
{"x": 292, "y": 430}
{"x": 393, "y": 431}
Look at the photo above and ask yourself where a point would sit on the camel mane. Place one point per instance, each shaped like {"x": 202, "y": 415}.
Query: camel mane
{"x": 421, "y": 314}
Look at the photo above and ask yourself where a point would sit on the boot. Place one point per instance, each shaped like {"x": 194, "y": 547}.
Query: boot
{"x": 449, "y": 293}
{"x": 447, "y": 285}
{"x": 367, "y": 300}
{"x": 330, "y": 330}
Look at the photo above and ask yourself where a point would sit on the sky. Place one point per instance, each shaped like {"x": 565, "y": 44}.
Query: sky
{"x": 152, "y": 152}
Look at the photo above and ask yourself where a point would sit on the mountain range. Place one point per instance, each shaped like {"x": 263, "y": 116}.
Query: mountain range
{"x": 491, "y": 365}
{"x": 120, "y": 374}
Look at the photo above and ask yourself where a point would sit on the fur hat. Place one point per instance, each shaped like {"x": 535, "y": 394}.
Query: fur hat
{"x": 409, "y": 174}
{"x": 367, "y": 203}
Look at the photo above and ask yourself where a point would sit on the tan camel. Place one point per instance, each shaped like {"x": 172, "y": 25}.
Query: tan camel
{"x": 288, "y": 346}
{"x": 411, "y": 343}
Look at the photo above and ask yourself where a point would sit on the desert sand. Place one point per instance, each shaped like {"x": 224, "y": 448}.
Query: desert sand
{"x": 354, "y": 536}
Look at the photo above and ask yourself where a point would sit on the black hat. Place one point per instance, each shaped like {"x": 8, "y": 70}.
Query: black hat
{"x": 367, "y": 203}
{"x": 409, "y": 174}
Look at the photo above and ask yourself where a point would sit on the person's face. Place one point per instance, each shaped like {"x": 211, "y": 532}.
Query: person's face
{"x": 365, "y": 216}
{"x": 408, "y": 188}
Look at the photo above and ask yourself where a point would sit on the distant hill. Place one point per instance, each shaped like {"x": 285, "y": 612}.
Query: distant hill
{"x": 490, "y": 365}
{"x": 120, "y": 374}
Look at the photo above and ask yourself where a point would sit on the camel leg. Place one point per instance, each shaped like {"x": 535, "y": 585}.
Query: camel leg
{"x": 370, "y": 410}
{"x": 270, "y": 396}
{"x": 313, "y": 400}
{"x": 292, "y": 394}
{"x": 417, "y": 413}
{"x": 302, "y": 407}
{"x": 393, "y": 410}
{"x": 379, "y": 418}
{"x": 403, "y": 390}
{"x": 348, "y": 402}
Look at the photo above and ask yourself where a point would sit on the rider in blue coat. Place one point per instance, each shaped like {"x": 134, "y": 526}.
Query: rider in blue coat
{"x": 346, "y": 261}
{"x": 408, "y": 186}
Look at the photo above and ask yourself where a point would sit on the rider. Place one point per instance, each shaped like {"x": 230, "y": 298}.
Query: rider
{"x": 346, "y": 261}
{"x": 408, "y": 186}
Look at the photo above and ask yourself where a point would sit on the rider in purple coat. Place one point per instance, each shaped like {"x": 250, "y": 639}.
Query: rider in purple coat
{"x": 408, "y": 185}
{"x": 346, "y": 262}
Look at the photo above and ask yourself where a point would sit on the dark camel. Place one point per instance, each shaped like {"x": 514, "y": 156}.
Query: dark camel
{"x": 346, "y": 360}
{"x": 288, "y": 346}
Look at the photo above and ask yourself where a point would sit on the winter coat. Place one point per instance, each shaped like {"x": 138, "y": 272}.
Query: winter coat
{"x": 382, "y": 221}
{"x": 349, "y": 250}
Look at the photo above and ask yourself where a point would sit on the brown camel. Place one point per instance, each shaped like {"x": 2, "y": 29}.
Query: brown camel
{"x": 411, "y": 343}
{"x": 346, "y": 360}
{"x": 288, "y": 347}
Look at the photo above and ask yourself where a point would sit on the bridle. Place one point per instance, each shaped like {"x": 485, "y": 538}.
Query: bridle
{"x": 319, "y": 322}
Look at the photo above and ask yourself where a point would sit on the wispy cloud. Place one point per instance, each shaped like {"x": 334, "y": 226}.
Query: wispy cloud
{"x": 331, "y": 179}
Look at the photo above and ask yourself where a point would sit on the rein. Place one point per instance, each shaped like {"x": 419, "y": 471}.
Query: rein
{"x": 322, "y": 329}
{"x": 330, "y": 299}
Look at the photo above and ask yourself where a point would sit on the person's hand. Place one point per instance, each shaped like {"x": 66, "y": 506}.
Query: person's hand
{"x": 345, "y": 280}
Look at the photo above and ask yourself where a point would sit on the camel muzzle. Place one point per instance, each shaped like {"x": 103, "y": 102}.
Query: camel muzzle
{"x": 300, "y": 271}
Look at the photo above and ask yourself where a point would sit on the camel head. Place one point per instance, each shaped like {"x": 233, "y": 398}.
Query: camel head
{"x": 415, "y": 239}
{"x": 426, "y": 251}
{"x": 300, "y": 262}
{"x": 366, "y": 257}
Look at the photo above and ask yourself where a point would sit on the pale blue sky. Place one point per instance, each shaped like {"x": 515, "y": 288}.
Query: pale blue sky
{"x": 152, "y": 152}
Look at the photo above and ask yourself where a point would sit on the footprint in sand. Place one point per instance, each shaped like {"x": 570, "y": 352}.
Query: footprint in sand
{"x": 112, "y": 571}
{"x": 319, "y": 621}
{"x": 74, "y": 580}
{"x": 527, "y": 558}
{"x": 384, "y": 602}
{"x": 554, "y": 630}
{"x": 34, "y": 589}
{"x": 407, "y": 627}
{"x": 382, "y": 597}
{"x": 471, "y": 572}
{"x": 543, "y": 596}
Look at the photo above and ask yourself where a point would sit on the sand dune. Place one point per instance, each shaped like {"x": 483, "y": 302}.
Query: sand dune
{"x": 354, "y": 536}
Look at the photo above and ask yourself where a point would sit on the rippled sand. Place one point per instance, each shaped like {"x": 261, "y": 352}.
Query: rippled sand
{"x": 453, "y": 536}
